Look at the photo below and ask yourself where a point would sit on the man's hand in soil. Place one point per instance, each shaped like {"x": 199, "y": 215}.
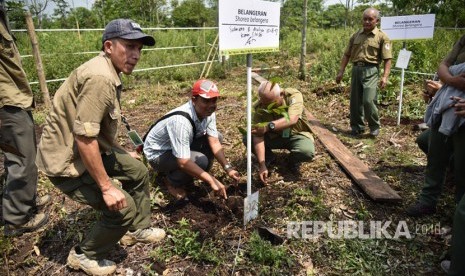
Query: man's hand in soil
{"x": 234, "y": 175}
{"x": 218, "y": 188}
{"x": 263, "y": 173}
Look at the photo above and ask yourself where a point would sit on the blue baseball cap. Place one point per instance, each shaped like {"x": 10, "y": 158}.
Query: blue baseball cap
{"x": 126, "y": 29}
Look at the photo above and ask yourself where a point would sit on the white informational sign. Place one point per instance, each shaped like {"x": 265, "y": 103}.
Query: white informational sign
{"x": 403, "y": 59}
{"x": 408, "y": 26}
{"x": 250, "y": 207}
{"x": 248, "y": 26}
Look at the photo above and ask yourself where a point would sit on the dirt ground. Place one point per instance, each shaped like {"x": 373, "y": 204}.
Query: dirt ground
{"x": 324, "y": 192}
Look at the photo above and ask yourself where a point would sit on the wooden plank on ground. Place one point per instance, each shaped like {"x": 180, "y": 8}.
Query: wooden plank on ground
{"x": 368, "y": 181}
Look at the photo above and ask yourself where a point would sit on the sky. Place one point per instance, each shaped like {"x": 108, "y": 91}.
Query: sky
{"x": 73, "y": 3}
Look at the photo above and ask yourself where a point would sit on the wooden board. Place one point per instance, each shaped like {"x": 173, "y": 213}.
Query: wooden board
{"x": 368, "y": 181}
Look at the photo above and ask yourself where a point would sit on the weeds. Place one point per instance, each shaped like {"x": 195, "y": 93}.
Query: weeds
{"x": 185, "y": 242}
{"x": 271, "y": 257}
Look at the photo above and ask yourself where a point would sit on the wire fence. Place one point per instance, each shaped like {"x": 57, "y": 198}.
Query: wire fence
{"x": 56, "y": 54}
{"x": 174, "y": 64}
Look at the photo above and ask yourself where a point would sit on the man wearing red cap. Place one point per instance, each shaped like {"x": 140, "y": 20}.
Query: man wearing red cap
{"x": 182, "y": 144}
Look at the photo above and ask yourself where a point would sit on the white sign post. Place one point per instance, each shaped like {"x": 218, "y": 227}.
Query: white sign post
{"x": 402, "y": 62}
{"x": 403, "y": 28}
{"x": 246, "y": 27}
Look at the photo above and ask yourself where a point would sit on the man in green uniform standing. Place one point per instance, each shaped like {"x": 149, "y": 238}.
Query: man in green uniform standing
{"x": 366, "y": 50}
{"x": 18, "y": 140}
{"x": 279, "y": 131}
{"x": 79, "y": 152}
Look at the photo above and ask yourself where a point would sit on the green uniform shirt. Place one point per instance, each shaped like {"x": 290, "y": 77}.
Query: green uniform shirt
{"x": 294, "y": 102}
{"x": 14, "y": 88}
{"x": 372, "y": 47}
{"x": 457, "y": 55}
{"x": 86, "y": 104}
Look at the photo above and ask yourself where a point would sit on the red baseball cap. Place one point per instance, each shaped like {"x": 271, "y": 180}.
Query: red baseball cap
{"x": 205, "y": 89}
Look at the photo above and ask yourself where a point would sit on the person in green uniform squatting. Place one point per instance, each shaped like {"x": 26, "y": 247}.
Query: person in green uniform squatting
{"x": 278, "y": 132}
{"x": 17, "y": 136}
{"x": 367, "y": 48}
{"x": 80, "y": 154}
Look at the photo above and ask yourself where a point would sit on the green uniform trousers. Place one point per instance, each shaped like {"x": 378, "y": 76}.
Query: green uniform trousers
{"x": 457, "y": 266}
{"x": 423, "y": 140}
{"x": 111, "y": 226}
{"x": 17, "y": 130}
{"x": 440, "y": 150}
{"x": 363, "y": 98}
{"x": 301, "y": 147}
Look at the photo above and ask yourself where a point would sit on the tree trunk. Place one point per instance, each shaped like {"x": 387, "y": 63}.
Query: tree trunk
{"x": 38, "y": 60}
{"x": 303, "y": 52}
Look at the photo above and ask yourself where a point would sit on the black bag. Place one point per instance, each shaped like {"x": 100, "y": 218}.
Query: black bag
{"x": 182, "y": 113}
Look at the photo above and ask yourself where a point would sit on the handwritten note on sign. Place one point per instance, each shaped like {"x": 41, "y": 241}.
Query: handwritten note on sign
{"x": 247, "y": 26}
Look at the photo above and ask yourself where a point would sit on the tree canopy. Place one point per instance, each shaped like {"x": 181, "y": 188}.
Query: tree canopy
{"x": 198, "y": 13}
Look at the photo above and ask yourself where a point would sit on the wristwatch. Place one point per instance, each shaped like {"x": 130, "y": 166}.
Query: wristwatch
{"x": 227, "y": 167}
{"x": 271, "y": 126}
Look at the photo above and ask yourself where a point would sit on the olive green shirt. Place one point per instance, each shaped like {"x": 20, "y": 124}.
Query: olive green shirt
{"x": 457, "y": 55}
{"x": 372, "y": 47}
{"x": 86, "y": 104}
{"x": 294, "y": 103}
{"x": 14, "y": 88}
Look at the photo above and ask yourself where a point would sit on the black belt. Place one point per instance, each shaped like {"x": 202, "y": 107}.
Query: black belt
{"x": 363, "y": 64}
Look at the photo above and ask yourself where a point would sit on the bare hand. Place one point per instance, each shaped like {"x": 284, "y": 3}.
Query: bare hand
{"x": 459, "y": 106}
{"x": 432, "y": 87}
{"x": 259, "y": 131}
{"x": 383, "y": 82}
{"x": 339, "y": 77}
{"x": 114, "y": 199}
{"x": 263, "y": 173}
{"x": 234, "y": 175}
{"x": 219, "y": 188}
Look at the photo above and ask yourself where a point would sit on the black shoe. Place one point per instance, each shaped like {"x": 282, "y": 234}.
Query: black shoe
{"x": 420, "y": 209}
{"x": 355, "y": 132}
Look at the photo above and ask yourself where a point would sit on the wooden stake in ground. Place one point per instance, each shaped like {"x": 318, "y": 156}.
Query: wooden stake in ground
{"x": 35, "y": 51}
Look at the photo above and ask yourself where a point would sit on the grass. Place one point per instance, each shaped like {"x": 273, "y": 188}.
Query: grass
{"x": 185, "y": 243}
{"x": 271, "y": 258}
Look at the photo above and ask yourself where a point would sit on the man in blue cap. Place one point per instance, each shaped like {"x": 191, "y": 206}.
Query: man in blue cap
{"x": 79, "y": 152}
